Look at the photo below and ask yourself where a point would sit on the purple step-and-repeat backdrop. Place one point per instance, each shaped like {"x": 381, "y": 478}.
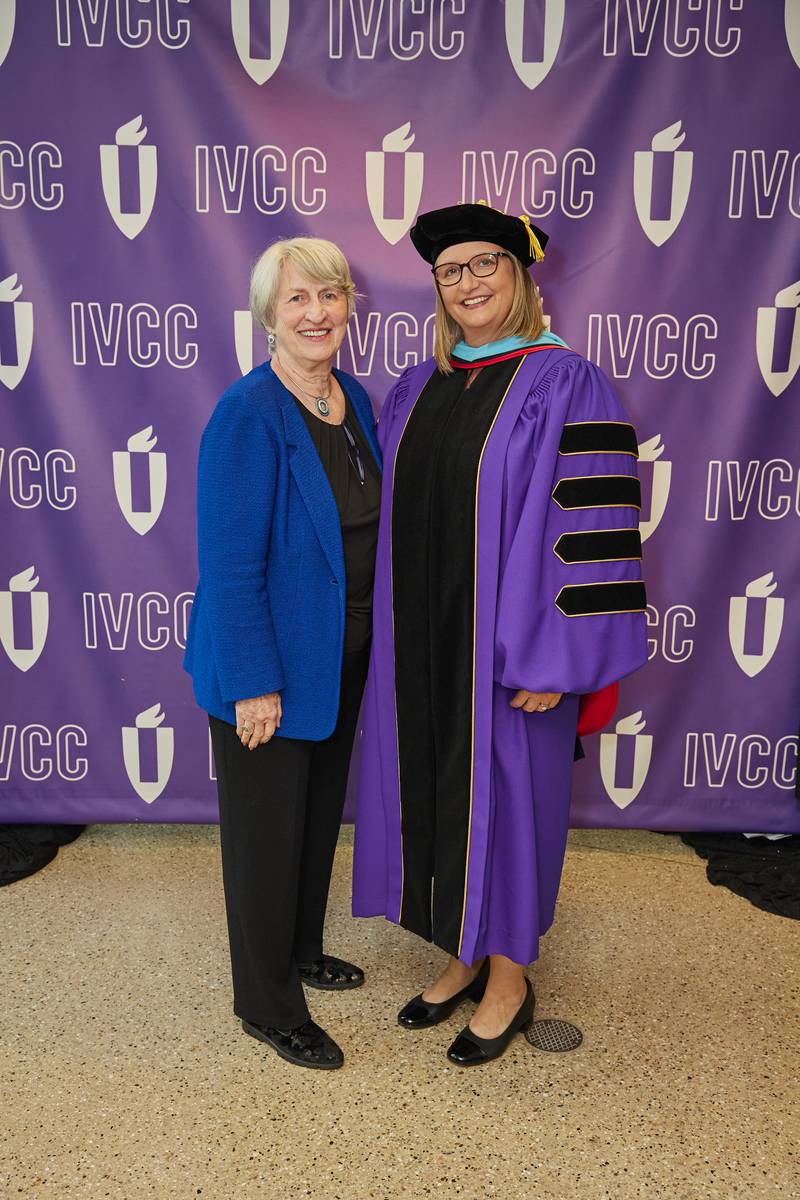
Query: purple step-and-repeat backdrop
{"x": 151, "y": 148}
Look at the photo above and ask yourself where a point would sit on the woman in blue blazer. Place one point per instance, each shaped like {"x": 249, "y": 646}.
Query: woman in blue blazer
{"x": 288, "y": 500}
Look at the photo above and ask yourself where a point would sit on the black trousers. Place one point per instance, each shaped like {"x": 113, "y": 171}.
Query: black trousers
{"x": 280, "y": 808}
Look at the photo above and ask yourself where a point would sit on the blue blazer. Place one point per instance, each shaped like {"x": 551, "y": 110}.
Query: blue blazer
{"x": 269, "y": 610}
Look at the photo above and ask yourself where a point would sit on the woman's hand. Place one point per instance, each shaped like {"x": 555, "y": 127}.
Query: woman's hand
{"x": 535, "y": 701}
{"x": 257, "y": 719}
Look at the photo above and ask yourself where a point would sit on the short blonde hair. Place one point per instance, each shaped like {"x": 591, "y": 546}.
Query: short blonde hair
{"x": 323, "y": 261}
{"x": 525, "y": 319}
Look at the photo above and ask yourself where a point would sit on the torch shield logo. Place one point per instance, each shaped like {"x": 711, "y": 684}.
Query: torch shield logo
{"x": 757, "y": 590}
{"x": 243, "y": 339}
{"x": 766, "y": 323}
{"x": 141, "y": 520}
{"x": 396, "y": 144}
{"x": 11, "y": 373}
{"x": 130, "y": 136}
{"x": 791, "y": 18}
{"x": 24, "y": 584}
{"x": 260, "y": 69}
{"x": 650, "y": 452}
{"x": 149, "y": 720}
{"x": 631, "y": 726}
{"x": 667, "y": 141}
{"x": 532, "y": 73}
{"x": 7, "y": 17}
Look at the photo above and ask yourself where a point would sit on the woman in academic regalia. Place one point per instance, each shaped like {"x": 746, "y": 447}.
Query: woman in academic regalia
{"x": 507, "y": 589}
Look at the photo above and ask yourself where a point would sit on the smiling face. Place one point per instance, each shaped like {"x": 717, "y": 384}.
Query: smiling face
{"x": 309, "y": 319}
{"x": 479, "y": 306}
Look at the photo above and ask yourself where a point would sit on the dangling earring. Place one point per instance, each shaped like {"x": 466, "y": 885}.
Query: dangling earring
{"x": 271, "y": 342}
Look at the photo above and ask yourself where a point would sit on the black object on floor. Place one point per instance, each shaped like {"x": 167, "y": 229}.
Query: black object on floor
{"x": 767, "y": 873}
{"x": 308, "y": 1045}
{"x": 554, "y": 1035}
{"x": 330, "y": 974}
{"x": 25, "y": 849}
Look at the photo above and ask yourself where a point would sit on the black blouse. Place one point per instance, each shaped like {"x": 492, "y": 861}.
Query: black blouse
{"x": 359, "y": 507}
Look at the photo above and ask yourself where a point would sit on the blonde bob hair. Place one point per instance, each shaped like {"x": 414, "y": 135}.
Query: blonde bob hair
{"x": 524, "y": 320}
{"x": 321, "y": 260}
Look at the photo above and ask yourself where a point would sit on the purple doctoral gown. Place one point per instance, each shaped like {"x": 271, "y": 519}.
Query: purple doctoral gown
{"x": 558, "y": 607}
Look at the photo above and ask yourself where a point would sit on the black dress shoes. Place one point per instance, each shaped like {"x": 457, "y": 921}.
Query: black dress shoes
{"x": 305, "y": 1046}
{"x": 421, "y": 1014}
{"x": 330, "y": 974}
{"x": 469, "y": 1050}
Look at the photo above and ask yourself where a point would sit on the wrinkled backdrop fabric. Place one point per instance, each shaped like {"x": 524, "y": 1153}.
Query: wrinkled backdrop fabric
{"x": 150, "y": 151}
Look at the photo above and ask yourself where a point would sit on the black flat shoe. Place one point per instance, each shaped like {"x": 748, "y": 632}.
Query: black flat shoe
{"x": 305, "y": 1046}
{"x": 421, "y": 1014}
{"x": 330, "y": 974}
{"x": 469, "y": 1050}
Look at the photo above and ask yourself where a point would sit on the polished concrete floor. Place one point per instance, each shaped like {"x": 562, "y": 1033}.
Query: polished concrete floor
{"x": 125, "y": 1075}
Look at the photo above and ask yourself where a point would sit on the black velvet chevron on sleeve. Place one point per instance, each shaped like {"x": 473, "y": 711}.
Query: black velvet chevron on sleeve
{"x": 598, "y": 491}
{"x": 599, "y": 437}
{"x": 600, "y": 545}
{"x": 598, "y": 599}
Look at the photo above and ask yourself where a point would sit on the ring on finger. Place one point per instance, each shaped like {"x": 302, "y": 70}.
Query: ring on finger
{"x": 544, "y": 707}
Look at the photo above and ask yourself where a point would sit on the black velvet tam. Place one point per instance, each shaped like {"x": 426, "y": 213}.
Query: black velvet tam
{"x": 443, "y": 227}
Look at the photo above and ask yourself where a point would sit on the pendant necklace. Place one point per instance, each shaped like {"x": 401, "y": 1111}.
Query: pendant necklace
{"x": 321, "y": 402}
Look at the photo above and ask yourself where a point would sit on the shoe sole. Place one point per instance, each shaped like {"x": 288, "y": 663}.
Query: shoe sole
{"x": 296, "y": 1062}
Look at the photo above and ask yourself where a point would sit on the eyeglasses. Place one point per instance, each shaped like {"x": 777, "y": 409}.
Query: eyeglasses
{"x": 353, "y": 453}
{"x": 481, "y": 265}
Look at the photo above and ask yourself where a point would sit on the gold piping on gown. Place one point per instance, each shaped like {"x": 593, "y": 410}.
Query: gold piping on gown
{"x": 474, "y": 657}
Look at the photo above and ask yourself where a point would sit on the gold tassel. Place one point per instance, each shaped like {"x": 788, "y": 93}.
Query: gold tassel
{"x": 536, "y": 246}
